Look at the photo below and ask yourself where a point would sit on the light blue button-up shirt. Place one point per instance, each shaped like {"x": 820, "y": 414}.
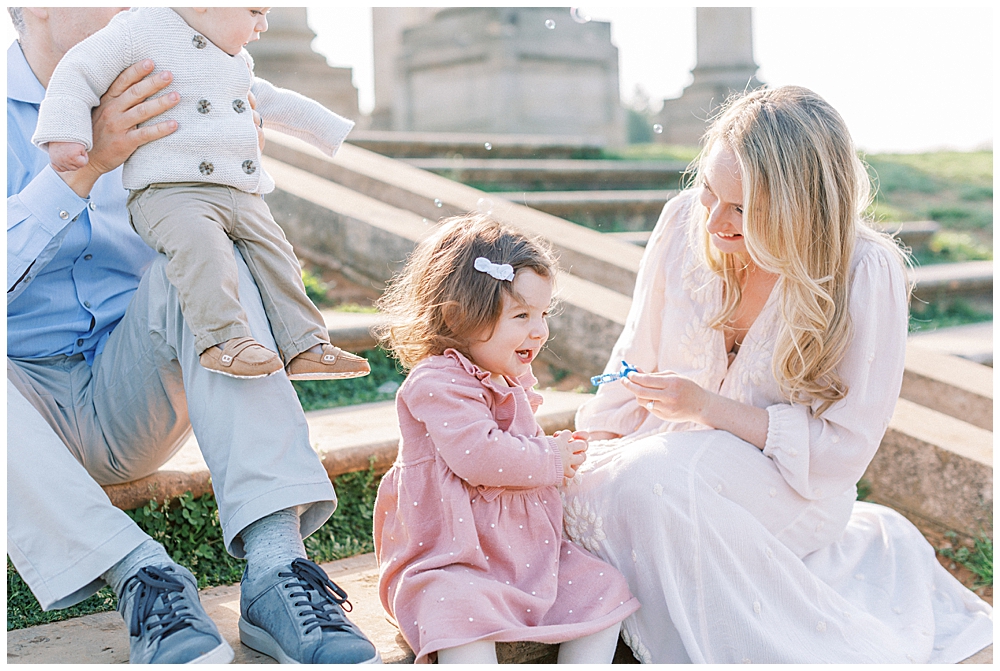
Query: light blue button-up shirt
{"x": 72, "y": 263}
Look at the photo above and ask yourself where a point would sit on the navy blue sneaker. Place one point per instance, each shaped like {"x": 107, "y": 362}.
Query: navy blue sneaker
{"x": 295, "y": 614}
{"x": 166, "y": 623}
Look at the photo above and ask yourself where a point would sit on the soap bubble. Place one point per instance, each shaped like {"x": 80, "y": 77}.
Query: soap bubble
{"x": 484, "y": 205}
{"x": 578, "y": 15}
{"x": 550, "y": 24}
{"x": 488, "y": 146}
{"x": 437, "y": 201}
{"x": 657, "y": 128}
{"x": 426, "y": 221}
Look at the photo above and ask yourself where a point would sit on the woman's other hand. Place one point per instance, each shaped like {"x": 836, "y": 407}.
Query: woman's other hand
{"x": 668, "y": 396}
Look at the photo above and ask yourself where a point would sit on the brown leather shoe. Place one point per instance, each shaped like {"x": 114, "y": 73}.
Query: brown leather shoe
{"x": 241, "y": 357}
{"x": 333, "y": 364}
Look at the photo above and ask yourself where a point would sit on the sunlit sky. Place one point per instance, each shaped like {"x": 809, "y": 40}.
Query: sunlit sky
{"x": 905, "y": 79}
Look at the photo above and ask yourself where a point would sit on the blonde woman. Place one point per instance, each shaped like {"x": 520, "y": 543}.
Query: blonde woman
{"x": 769, "y": 321}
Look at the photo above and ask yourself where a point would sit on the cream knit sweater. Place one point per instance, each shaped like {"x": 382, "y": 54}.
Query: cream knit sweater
{"x": 215, "y": 141}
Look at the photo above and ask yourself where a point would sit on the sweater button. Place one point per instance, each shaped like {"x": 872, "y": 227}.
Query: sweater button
{"x": 249, "y": 167}
{"x": 206, "y": 168}
{"x": 199, "y": 42}
{"x": 239, "y": 106}
{"x": 204, "y": 107}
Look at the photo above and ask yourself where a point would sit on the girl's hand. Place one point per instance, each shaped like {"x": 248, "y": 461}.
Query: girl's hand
{"x": 669, "y": 396}
{"x": 572, "y": 451}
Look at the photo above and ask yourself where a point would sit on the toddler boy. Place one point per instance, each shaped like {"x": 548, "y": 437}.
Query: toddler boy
{"x": 197, "y": 191}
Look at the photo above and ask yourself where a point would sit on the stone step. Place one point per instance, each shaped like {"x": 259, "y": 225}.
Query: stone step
{"x": 973, "y": 342}
{"x": 949, "y": 384}
{"x": 943, "y": 283}
{"x": 416, "y": 144}
{"x": 346, "y": 439}
{"x": 629, "y": 210}
{"x": 102, "y": 638}
{"x": 912, "y": 234}
{"x": 555, "y": 174}
{"x": 935, "y": 469}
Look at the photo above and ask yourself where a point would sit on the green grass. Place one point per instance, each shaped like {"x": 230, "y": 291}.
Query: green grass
{"x": 956, "y": 313}
{"x": 380, "y": 385}
{"x": 189, "y": 529}
{"x": 978, "y": 558}
{"x": 954, "y": 189}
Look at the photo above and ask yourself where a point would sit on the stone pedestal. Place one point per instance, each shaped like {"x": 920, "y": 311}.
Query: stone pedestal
{"x": 509, "y": 70}
{"x": 284, "y": 57}
{"x": 388, "y": 24}
{"x": 725, "y": 65}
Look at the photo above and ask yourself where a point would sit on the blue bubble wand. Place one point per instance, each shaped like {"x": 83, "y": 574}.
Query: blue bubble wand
{"x": 604, "y": 378}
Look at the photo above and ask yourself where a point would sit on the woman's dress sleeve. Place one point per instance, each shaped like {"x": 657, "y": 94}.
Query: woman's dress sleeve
{"x": 826, "y": 456}
{"x": 614, "y": 409}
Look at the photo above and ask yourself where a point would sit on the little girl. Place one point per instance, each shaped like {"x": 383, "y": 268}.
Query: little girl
{"x": 468, "y": 521}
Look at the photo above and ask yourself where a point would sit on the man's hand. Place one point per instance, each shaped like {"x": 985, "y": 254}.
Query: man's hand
{"x": 126, "y": 104}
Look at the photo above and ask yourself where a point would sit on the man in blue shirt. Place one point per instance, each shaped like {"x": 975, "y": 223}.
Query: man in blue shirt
{"x": 104, "y": 385}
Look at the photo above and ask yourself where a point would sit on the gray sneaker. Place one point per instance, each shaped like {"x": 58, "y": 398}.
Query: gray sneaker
{"x": 166, "y": 622}
{"x": 295, "y": 614}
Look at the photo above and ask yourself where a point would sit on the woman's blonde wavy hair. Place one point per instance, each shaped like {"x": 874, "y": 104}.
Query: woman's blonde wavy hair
{"x": 441, "y": 301}
{"x": 805, "y": 198}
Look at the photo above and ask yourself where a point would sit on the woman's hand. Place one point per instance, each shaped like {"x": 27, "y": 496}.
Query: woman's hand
{"x": 679, "y": 399}
{"x": 669, "y": 396}
{"x": 126, "y": 104}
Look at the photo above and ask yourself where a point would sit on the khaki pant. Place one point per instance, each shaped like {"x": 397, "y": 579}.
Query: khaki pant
{"x": 72, "y": 427}
{"x": 195, "y": 226}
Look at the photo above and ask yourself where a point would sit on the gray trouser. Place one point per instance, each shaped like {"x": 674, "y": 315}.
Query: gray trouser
{"x": 195, "y": 225}
{"x": 72, "y": 427}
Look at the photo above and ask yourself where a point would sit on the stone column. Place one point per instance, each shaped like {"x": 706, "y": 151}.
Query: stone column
{"x": 284, "y": 57}
{"x": 725, "y": 65}
{"x": 388, "y": 24}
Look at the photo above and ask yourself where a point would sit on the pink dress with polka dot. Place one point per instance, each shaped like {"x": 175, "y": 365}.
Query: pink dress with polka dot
{"x": 468, "y": 521}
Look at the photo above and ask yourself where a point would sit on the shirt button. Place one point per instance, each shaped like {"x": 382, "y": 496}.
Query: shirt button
{"x": 63, "y": 214}
{"x": 88, "y": 257}
{"x": 92, "y": 206}
{"x": 79, "y": 343}
{"x": 86, "y": 304}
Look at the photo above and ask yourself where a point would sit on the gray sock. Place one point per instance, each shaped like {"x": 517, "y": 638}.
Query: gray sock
{"x": 273, "y": 541}
{"x": 147, "y": 553}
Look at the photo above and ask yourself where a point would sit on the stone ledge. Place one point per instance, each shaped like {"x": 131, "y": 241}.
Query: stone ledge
{"x": 936, "y": 470}
{"x": 973, "y": 342}
{"x": 346, "y": 439}
{"x": 421, "y": 144}
{"x": 949, "y": 384}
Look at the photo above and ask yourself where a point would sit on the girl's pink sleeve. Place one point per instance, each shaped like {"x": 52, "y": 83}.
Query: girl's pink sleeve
{"x": 458, "y": 421}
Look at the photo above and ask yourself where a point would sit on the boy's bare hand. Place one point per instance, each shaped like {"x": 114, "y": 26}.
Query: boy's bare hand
{"x": 67, "y": 156}
{"x": 128, "y": 102}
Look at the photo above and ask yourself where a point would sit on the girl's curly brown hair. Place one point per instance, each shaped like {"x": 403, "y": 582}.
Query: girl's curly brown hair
{"x": 441, "y": 301}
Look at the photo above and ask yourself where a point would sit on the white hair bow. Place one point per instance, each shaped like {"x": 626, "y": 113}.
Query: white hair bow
{"x": 499, "y": 271}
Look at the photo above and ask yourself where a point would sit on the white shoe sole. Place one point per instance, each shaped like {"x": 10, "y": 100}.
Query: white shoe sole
{"x": 241, "y": 377}
{"x": 221, "y": 655}
{"x": 325, "y": 376}
{"x": 256, "y": 638}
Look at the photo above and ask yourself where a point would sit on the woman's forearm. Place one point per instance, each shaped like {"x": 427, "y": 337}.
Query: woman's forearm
{"x": 740, "y": 419}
